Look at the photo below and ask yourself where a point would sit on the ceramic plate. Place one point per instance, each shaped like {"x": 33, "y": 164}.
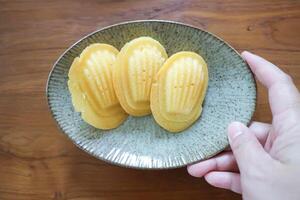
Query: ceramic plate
{"x": 141, "y": 142}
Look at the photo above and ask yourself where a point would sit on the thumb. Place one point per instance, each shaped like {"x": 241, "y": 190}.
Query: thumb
{"x": 245, "y": 146}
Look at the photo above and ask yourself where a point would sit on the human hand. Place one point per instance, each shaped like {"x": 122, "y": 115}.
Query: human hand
{"x": 265, "y": 160}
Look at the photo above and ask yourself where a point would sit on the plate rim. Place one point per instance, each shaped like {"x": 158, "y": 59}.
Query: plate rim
{"x": 132, "y": 22}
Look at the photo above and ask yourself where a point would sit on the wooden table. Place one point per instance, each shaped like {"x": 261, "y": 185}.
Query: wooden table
{"x": 38, "y": 162}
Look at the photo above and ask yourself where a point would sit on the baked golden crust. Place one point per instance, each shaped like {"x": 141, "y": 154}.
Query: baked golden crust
{"x": 91, "y": 86}
{"x": 178, "y": 91}
{"x": 136, "y": 65}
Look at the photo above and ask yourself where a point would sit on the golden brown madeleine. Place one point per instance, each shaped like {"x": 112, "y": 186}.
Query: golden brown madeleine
{"x": 91, "y": 87}
{"x": 178, "y": 91}
{"x": 137, "y": 63}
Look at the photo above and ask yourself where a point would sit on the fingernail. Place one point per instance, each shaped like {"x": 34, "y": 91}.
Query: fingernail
{"x": 234, "y": 130}
{"x": 233, "y": 135}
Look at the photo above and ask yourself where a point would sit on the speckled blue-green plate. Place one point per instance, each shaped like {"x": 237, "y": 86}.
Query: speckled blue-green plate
{"x": 141, "y": 142}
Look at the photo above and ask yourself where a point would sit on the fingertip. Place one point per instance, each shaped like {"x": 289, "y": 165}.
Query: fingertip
{"x": 235, "y": 129}
{"x": 199, "y": 169}
{"x": 250, "y": 58}
{"x": 226, "y": 180}
{"x": 244, "y": 54}
{"x": 211, "y": 178}
{"x": 245, "y": 146}
{"x": 266, "y": 72}
{"x": 192, "y": 170}
{"x": 218, "y": 179}
{"x": 247, "y": 54}
{"x": 234, "y": 125}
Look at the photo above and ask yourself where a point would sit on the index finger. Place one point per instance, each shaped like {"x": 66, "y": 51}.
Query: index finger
{"x": 283, "y": 94}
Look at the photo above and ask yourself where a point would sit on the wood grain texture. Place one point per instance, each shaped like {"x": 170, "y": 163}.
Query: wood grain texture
{"x": 38, "y": 162}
